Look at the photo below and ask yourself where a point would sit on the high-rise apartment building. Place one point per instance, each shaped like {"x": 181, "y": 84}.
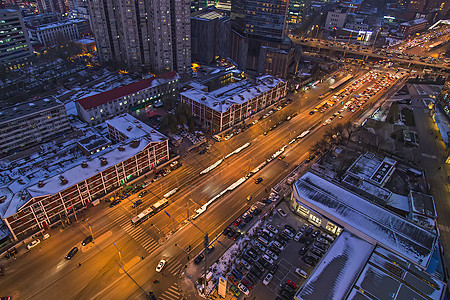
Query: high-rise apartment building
{"x": 15, "y": 49}
{"x": 52, "y": 6}
{"x": 143, "y": 36}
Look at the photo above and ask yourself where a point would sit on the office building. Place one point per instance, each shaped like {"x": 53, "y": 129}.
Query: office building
{"x": 413, "y": 26}
{"x": 134, "y": 97}
{"x": 143, "y": 36}
{"x": 32, "y": 122}
{"x": 15, "y": 48}
{"x": 59, "y": 33}
{"x": 223, "y": 108}
{"x": 256, "y": 25}
{"x": 336, "y": 18}
{"x": 29, "y": 205}
{"x": 210, "y": 33}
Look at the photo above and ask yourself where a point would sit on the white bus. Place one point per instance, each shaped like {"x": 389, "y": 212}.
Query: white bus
{"x": 149, "y": 212}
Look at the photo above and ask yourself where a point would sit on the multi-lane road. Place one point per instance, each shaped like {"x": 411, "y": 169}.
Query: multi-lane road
{"x": 121, "y": 264}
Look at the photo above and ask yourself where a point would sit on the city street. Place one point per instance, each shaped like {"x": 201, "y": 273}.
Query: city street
{"x": 44, "y": 273}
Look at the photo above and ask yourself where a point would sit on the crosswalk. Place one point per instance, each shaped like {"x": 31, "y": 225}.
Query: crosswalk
{"x": 139, "y": 235}
{"x": 171, "y": 293}
{"x": 175, "y": 268}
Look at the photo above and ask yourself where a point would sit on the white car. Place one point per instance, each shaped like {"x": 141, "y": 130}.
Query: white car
{"x": 259, "y": 246}
{"x": 268, "y": 279}
{"x": 288, "y": 233}
{"x": 298, "y": 236}
{"x": 245, "y": 264}
{"x": 272, "y": 255}
{"x": 281, "y": 212}
{"x": 272, "y": 228}
{"x": 278, "y": 245}
{"x": 267, "y": 258}
{"x": 161, "y": 265}
{"x": 243, "y": 289}
{"x": 33, "y": 244}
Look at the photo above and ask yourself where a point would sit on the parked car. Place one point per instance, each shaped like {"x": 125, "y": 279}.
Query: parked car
{"x": 309, "y": 230}
{"x": 33, "y": 244}
{"x": 267, "y": 279}
{"x": 235, "y": 290}
{"x": 137, "y": 203}
{"x": 290, "y": 228}
{"x": 272, "y": 229}
{"x": 298, "y": 236}
{"x": 272, "y": 255}
{"x": 303, "y": 250}
{"x": 273, "y": 269}
{"x": 245, "y": 264}
{"x": 291, "y": 283}
{"x": 315, "y": 233}
{"x": 247, "y": 283}
{"x": 210, "y": 249}
{"x": 243, "y": 289}
{"x": 281, "y": 212}
{"x": 143, "y": 193}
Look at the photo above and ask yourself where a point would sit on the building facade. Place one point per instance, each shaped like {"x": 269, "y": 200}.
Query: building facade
{"x": 61, "y": 197}
{"x": 32, "y": 122}
{"x": 210, "y": 32}
{"x": 336, "y": 18}
{"x": 134, "y": 97}
{"x": 143, "y": 36}
{"x": 254, "y": 25}
{"x": 60, "y": 32}
{"x": 15, "y": 47}
{"x": 229, "y": 105}
{"x": 51, "y": 6}
{"x": 413, "y": 26}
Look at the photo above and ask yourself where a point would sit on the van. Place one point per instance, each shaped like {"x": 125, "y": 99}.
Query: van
{"x": 263, "y": 241}
{"x": 301, "y": 272}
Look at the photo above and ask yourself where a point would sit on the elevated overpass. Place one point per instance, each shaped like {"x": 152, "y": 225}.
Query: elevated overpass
{"x": 364, "y": 54}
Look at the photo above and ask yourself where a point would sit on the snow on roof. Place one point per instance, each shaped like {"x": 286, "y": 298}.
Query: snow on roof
{"x": 338, "y": 270}
{"x": 239, "y": 92}
{"x": 85, "y": 41}
{"x": 423, "y": 204}
{"x": 57, "y": 24}
{"x": 414, "y": 22}
{"x": 387, "y": 228}
{"x": 25, "y": 109}
{"x": 388, "y": 276}
{"x": 373, "y": 168}
{"x": 111, "y": 95}
{"x": 77, "y": 174}
{"x": 398, "y": 201}
{"x": 134, "y": 129}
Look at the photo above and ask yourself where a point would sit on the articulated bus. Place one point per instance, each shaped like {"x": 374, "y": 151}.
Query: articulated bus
{"x": 149, "y": 212}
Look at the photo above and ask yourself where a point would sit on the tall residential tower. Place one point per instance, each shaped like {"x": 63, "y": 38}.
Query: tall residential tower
{"x": 143, "y": 35}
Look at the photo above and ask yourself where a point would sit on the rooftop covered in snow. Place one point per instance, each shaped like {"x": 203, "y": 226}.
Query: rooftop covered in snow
{"x": 334, "y": 276}
{"x": 371, "y": 222}
{"x": 24, "y": 109}
{"x": 134, "y": 129}
{"x": 111, "y": 95}
{"x": 239, "y": 92}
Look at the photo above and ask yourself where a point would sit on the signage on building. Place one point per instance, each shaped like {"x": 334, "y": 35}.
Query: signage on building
{"x": 222, "y": 290}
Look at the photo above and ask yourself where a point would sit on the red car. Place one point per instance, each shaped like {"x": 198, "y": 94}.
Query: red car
{"x": 291, "y": 283}
{"x": 237, "y": 222}
{"x": 247, "y": 283}
{"x": 233, "y": 280}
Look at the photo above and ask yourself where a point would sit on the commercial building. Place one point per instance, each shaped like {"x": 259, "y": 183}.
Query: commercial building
{"x": 210, "y": 32}
{"x": 257, "y": 26}
{"x": 31, "y": 203}
{"x": 377, "y": 253}
{"x": 412, "y": 26}
{"x": 336, "y": 18}
{"x": 143, "y": 36}
{"x": 60, "y": 32}
{"x": 222, "y": 108}
{"x": 32, "y": 122}
{"x": 134, "y": 97}
{"x": 15, "y": 48}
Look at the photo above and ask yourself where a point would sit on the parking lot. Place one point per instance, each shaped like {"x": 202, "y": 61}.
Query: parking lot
{"x": 270, "y": 265}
